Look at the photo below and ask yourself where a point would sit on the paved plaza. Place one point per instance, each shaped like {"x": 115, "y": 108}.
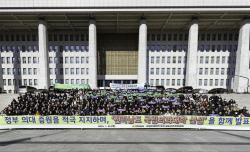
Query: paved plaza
{"x": 124, "y": 140}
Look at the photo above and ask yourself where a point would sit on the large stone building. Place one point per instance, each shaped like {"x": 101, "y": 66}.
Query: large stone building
{"x": 174, "y": 43}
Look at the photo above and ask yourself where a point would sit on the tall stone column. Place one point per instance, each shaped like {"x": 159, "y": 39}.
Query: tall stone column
{"x": 142, "y": 52}
{"x": 242, "y": 58}
{"x": 43, "y": 79}
{"x": 191, "y": 71}
{"x": 92, "y": 54}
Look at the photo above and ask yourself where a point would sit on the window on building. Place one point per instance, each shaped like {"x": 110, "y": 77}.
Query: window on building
{"x": 66, "y": 71}
{"x": 50, "y": 49}
{"x": 211, "y": 82}
{"x": 71, "y": 48}
{"x": 217, "y": 71}
{"x": 218, "y": 48}
{"x": 179, "y": 71}
{"x": 227, "y": 82}
{"x": 66, "y": 60}
{"x": 229, "y": 48}
{"x": 218, "y": 59}
{"x": 213, "y": 48}
{"x": 219, "y": 37}
{"x": 200, "y": 71}
{"x": 152, "y": 82}
{"x": 14, "y": 71}
{"x": 206, "y": 71}
{"x": 164, "y": 37}
{"x": 8, "y": 71}
{"x": 29, "y": 71}
{"x": 163, "y": 59}
{"x": 235, "y": 48}
{"x": 24, "y": 60}
{"x": 233, "y": 71}
{"x": 222, "y": 71}
{"x": 205, "y": 82}
{"x": 87, "y": 60}
{"x": 202, "y": 37}
{"x": 214, "y": 37}
{"x": 152, "y": 48}
{"x": 35, "y": 71}
{"x": 157, "y": 82}
{"x": 162, "y": 71}
{"x": 216, "y": 82}
{"x": 168, "y": 59}
{"x": 77, "y": 71}
{"x": 225, "y": 37}
{"x": 152, "y": 71}
{"x": 207, "y": 59}
{"x": 158, "y": 37}
{"x": 186, "y": 37}
{"x": 87, "y": 71}
{"x": 184, "y": 71}
{"x": 174, "y": 59}
{"x": 157, "y": 59}
{"x": 82, "y": 59}
{"x": 173, "y": 71}
{"x": 228, "y": 71}
{"x": 167, "y": 82}
{"x": 179, "y": 59}
{"x": 61, "y": 71}
{"x": 152, "y": 59}
{"x": 228, "y": 59}
{"x": 234, "y": 59}
{"x": 72, "y": 71}
{"x": 211, "y": 71}
{"x": 175, "y": 37}
{"x": 221, "y": 82}
{"x": 66, "y": 37}
{"x": 50, "y": 60}
{"x": 208, "y": 37}
{"x": 180, "y": 48}
{"x": 223, "y": 59}
{"x": 56, "y": 71}
{"x": 169, "y": 48}
{"x": 202, "y": 48}
{"x": 200, "y": 82}
{"x": 169, "y": 37}
{"x": 71, "y": 60}
{"x": 56, "y": 60}
{"x": 168, "y": 71}
{"x": 207, "y": 48}
{"x": 153, "y": 37}
{"x": 82, "y": 71}
{"x": 174, "y": 48}
{"x": 185, "y": 48}
{"x": 230, "y": 37}
{"x": 24, "y": 71}
{"x": 173, "y": 82}
{"x": 201, "y": 59}
{"x": 212, "y": 59}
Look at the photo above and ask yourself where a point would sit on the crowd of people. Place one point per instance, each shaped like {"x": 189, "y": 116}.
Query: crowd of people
{"x": 80, "y": 102}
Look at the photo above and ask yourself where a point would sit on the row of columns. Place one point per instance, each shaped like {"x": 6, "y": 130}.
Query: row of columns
{"x": 242, "y": 61}
{"x": 44, "y": 77}
{"x": 242, "y": 73}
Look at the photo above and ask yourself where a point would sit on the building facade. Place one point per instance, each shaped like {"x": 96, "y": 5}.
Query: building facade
{"x": 172, "y": 44}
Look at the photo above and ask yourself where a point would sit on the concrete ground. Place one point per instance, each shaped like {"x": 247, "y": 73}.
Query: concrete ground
{"x": 241, "y": 99}
{"x": 123, "y": 140}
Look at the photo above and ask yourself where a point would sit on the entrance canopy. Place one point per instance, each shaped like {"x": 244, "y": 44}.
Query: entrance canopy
{"x": 120, "y": 22}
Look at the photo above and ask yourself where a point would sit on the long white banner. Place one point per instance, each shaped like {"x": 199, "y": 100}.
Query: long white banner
{"x": 126, "y": 86}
